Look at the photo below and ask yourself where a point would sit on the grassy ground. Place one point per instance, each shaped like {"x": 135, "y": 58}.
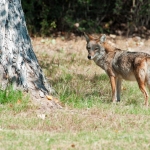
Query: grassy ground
{"x": 88, "y": 120}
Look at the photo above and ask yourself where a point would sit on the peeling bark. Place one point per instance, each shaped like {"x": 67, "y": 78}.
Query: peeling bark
{"x": 18, "y": 62}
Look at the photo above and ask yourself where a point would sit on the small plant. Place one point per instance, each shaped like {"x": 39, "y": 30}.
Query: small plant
{"x": 14, "y": 98}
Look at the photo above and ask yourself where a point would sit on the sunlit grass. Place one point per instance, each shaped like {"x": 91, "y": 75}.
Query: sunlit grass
{"x": 89, "y": 120}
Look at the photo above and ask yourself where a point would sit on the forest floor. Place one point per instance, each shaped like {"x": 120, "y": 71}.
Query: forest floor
{"x": 88, "y": 119}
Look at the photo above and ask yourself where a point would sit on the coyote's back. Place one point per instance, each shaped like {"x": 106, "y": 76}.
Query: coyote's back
{"x": 126, "y": 64}
{"x": 120, "y": 64}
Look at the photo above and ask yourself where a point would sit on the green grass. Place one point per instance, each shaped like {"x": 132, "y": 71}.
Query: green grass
{"x": 10, "y": 95}
{"x": 13, "y": 100}
{"x": 88, "y": 119}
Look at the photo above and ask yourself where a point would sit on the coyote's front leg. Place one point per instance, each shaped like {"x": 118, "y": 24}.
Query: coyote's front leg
{"x": 113, "y": 87}
{"x": 118, "y": 86}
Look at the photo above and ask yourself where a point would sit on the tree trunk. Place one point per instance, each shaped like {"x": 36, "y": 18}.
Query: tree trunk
{"x": 18, "y": 63}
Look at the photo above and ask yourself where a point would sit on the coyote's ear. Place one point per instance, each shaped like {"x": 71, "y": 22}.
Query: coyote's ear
{"x": 103, "y": 38}
{"x": 88, "y": 37}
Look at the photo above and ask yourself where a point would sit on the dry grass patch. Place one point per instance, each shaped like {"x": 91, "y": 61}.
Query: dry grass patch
{"x": 95, "y": 128}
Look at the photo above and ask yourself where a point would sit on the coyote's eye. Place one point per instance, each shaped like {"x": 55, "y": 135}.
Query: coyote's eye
{"x": 96, "y": 48}
{"x": 88, "y": 48}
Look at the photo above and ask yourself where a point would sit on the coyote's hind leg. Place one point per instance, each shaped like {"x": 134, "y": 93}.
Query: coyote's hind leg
{"x": 144, "y": 91}
{"x": 141, "y": 75}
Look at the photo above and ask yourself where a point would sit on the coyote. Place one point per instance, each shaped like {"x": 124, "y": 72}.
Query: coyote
{"x": 120, "y": 64}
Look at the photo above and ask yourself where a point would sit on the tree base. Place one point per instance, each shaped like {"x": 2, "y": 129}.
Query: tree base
{"x": 44, "y": 104}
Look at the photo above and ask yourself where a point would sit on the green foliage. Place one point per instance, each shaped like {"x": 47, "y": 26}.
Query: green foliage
{"x": 45, "y": 17}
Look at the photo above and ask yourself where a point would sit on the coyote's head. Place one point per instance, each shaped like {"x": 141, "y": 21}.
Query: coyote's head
{"x": 94, "y": 46}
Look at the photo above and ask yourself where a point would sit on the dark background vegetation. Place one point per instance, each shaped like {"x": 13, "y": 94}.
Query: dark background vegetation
{"x": 45, "y": 17}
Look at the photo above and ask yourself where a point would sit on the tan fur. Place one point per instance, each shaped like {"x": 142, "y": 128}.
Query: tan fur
{"x": 120, "y": 64}
{"x": 108, "y": 47}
